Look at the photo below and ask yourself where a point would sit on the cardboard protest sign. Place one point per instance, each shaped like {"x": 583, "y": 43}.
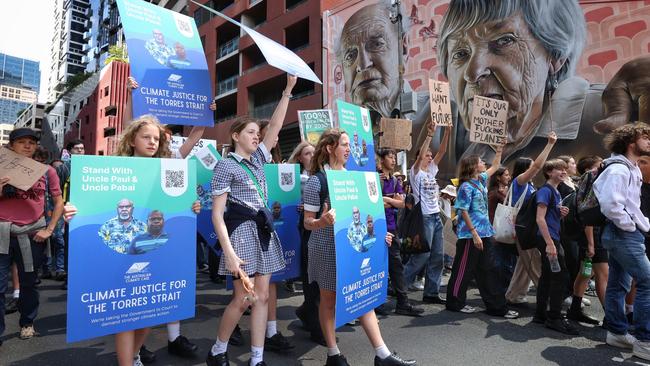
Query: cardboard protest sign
{"x": 488, "y": 124}
{"x": 275, "y": 54}
{"x": 355, "y": 120}
{"x": 313, "y": 123}
{"x": 167, "y": 60}
{"x": 359, "y": 235}
{"x": 178, "y": 141}
{"x": 22, "y": 171}
{"x": 132, "y": 244}
{"x": 440, "y": 103}
{"x": 395, "y": 133}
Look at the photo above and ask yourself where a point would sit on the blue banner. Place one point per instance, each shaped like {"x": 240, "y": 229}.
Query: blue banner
{"x": 132, "y": 244}
{"x": 283, "y": 187}
{"x": 359, "y": 235}
{"x": 206, "y": 158}
{"x": 167, "y": 60}
{"x": 355, "y": 120}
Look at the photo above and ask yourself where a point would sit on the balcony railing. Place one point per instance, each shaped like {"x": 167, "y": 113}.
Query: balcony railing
{"x": 228, "y": 47}
{"x": 227, "y": 85}
{"x": 264, "y": 110}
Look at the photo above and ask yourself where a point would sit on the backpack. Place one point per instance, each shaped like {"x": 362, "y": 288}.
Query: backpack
{"x": 572, "y": 228}
{"x": 587, "y": 205}
{"x": 526, "y": 223}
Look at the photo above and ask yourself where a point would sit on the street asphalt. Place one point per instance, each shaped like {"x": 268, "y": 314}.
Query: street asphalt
{"x": 439, "y": 337}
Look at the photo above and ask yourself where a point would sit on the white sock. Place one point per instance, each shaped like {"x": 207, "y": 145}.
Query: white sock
{"x": 382, "y": 351}
{"x": 333, "y": 351}
{"x": 219, "y": 347}
{"x": 16, "y": 293}
{"x": 257, "y": 355}
{"x": 271, "y": 328}
{"x": 173, "y": 331}
{"x": 628, "y": 308}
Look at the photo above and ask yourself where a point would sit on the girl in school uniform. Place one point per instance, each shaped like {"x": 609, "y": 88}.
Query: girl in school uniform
{"x": 332, "y": 152}
{"x": 250, "y": 245}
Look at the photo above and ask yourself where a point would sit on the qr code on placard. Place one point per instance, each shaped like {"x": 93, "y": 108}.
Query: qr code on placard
{"x": 183, "y": 25}
{"x": 286, "y": 179}
{"x": 174, "y": 178}
{"x": 208, "y": 160}
{"x": 372, "y": 188}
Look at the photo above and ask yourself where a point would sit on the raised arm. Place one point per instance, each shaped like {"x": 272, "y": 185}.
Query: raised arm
{"x": 496, "y": 162}
{"x": 537, "y": 165}
{"x": 443, "y": 146}
{"x": 277, "y": 119}
{"x": 431, "y": 129}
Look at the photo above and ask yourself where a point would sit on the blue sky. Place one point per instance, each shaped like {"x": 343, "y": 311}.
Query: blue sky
{"x": 26, "y": 26}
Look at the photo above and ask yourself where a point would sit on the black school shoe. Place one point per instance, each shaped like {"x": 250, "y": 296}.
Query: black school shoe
{"x": 217, "y": 360}
{"x": 580, "y": 316}
{"x": 182, "y": 347}
{"x": 394, "y": 360}
{"x": 434, "y": 300}
{"x": 337, "y": 360}
{"x": 408, "y": 309}
{"x": 278, "y": 343}
{"x": 147, "y": 356}
{"x": 236, "y": 338}
{"x": 561, "y": 325}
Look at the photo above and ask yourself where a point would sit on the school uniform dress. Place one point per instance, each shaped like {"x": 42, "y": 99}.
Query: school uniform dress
{"x": 322, "y": 251}
{"x": 229, "y": 177}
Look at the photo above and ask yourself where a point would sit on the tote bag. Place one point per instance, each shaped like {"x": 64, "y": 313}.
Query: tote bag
{"x": 505, "y": 217}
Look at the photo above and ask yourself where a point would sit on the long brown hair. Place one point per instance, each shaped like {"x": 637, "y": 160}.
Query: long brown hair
{"x": 238, "y": 126}
{"x": 124, "y": 147}
{"x": 321, "y": 157}
{"x": 467, "y": 168}
{"x": 276, "y": 153}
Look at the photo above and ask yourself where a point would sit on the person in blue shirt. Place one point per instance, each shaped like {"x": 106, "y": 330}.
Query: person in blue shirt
{"x": 475, "y": 246}
{"x": 154, "y": 238}
{"x": 551, "y": 290}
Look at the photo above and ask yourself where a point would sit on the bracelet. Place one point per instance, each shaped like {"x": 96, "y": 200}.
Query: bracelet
{"x": 288, "y": 95}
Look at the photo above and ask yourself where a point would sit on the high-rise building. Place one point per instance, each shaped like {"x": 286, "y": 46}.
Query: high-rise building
{"x": 244, "y": 83}
{"x": 71, "y": 21}
{"x": 19, "y": 85}
{"x": 5, "y": 130}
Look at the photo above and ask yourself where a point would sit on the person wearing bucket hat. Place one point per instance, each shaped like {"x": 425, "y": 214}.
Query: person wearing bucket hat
{"x": 23, "y": 132}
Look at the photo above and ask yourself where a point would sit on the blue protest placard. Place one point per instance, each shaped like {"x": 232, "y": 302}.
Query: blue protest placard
{"x": 355, "y": 120}
{"x": 283, "y": 187}
{"x": 206, "y": 159}
{"x": 168, "y": 62}
{"x": 132, "y": 244}
{"x": 359, "y": 235}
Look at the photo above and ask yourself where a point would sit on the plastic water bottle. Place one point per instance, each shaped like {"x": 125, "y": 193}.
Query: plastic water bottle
{"x": 587, "y": 268}
{"x": 555, "y": 264}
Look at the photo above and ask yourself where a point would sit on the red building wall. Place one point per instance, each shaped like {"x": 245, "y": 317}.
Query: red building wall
{"x": 102, "y": 118}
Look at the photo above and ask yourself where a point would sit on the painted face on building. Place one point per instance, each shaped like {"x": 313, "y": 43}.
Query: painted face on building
{"x": 369, "y": 51}
{"x": 502, "y": 60}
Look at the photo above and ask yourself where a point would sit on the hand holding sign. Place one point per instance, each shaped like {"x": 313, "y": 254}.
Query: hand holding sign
{"x": 488, "y": 121}
{"x": 328, "y": 216}
{"x": 552, "y": 138}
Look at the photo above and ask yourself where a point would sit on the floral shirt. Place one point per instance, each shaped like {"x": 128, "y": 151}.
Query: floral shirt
{"x": 356, "y": 233}
{"x": 119, "y": 237}
{"x": 472, "y": 197}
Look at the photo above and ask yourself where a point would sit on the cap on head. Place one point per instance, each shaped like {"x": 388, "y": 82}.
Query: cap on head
{"x": 23, "y": 132}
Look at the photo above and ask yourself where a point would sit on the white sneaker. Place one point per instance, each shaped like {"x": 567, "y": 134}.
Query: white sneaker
{"x": 137, "y": 362}
{"x": 586, "y": 302}
{"x": 569, "y": 300}
{"x": 624, "y": 341}
{"x": 641, "y": 349}
{"x": 417, "y": 285}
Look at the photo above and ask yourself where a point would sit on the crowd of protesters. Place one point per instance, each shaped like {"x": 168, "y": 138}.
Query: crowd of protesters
{"x": 559, "y": 259}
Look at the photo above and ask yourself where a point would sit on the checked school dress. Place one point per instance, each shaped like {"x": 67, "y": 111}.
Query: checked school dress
{"x": 229, "y": 177}
{"x": 322, "y": 252}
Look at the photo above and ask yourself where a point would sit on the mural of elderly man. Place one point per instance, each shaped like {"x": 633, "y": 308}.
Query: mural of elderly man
{"x": 118, "y": 232}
